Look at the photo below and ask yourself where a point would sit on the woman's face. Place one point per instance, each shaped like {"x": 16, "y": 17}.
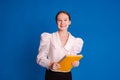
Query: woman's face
{"x": 63, "y": 21}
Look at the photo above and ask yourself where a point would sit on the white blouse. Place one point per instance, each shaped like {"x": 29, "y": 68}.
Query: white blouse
{"x": 51, "y": 49}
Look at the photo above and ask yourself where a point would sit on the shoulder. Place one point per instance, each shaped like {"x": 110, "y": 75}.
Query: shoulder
{"x": 77, "y": 40}
{"x": 44, "y": 34}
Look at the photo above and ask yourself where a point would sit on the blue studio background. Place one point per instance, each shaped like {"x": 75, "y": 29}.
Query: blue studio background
{"x": 97, "y": 22}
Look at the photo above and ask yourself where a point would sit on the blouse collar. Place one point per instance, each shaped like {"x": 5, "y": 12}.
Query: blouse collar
{"x": 58, "y": 44}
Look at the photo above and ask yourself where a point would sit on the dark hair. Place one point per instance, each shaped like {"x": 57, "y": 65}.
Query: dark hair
{"x": 64, "y": 13}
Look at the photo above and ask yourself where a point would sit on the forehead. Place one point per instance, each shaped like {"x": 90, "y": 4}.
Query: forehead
{"x": 62, "y": 15}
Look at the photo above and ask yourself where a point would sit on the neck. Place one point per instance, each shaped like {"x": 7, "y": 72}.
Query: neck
{"x": 63, "y": 33}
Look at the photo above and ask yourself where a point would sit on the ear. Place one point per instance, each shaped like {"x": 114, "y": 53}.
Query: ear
{"x": 70, "y": 23}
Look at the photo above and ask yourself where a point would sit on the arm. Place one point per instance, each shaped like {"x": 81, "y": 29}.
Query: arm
{"x": 77, "y": 49}
{"x": 44, "y": 50}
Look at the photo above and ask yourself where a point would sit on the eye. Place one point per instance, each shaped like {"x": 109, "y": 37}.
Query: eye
{"x": 59, "y": 20}
{"x": 65, "y": 20}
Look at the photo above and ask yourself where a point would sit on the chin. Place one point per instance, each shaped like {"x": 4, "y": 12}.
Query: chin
{"x": 62, "y": 29}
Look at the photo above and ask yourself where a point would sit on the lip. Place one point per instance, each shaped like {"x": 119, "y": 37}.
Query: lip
{"x": 63, "y": 26}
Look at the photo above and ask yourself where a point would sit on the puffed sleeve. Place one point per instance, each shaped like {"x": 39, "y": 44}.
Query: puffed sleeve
{"x": 43, "y": 50}
{"x": 78, "y": 44}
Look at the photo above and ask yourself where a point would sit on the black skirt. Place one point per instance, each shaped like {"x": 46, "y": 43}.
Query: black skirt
{"x": 51, "y": 75}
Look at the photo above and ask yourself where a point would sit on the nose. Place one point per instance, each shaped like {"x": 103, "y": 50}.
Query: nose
{"x": 62, "y": 22}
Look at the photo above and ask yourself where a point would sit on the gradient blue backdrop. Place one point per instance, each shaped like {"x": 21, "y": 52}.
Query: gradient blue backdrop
{"x": 96, "y": 21}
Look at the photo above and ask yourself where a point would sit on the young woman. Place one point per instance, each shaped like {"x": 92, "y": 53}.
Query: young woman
{"x": 54, "y": 46}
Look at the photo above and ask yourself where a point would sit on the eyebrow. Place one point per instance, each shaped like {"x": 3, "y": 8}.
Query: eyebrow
{"x": 60, "y": 18}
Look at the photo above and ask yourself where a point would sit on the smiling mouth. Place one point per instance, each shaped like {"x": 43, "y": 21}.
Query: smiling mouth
{"x": 62, "y": 26}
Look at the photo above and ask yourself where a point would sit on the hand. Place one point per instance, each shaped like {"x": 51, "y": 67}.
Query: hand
{"x": 55, "y": 66}
{"x": 75, "y": 63}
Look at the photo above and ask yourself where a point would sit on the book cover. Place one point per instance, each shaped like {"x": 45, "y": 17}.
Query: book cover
{"x": 66, "y": 62}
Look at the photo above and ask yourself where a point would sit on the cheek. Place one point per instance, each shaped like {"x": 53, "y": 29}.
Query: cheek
{"x": 58, "y": 23}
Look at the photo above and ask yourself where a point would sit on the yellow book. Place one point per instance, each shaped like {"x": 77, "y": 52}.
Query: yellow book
{"x": 66, "y": 62}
